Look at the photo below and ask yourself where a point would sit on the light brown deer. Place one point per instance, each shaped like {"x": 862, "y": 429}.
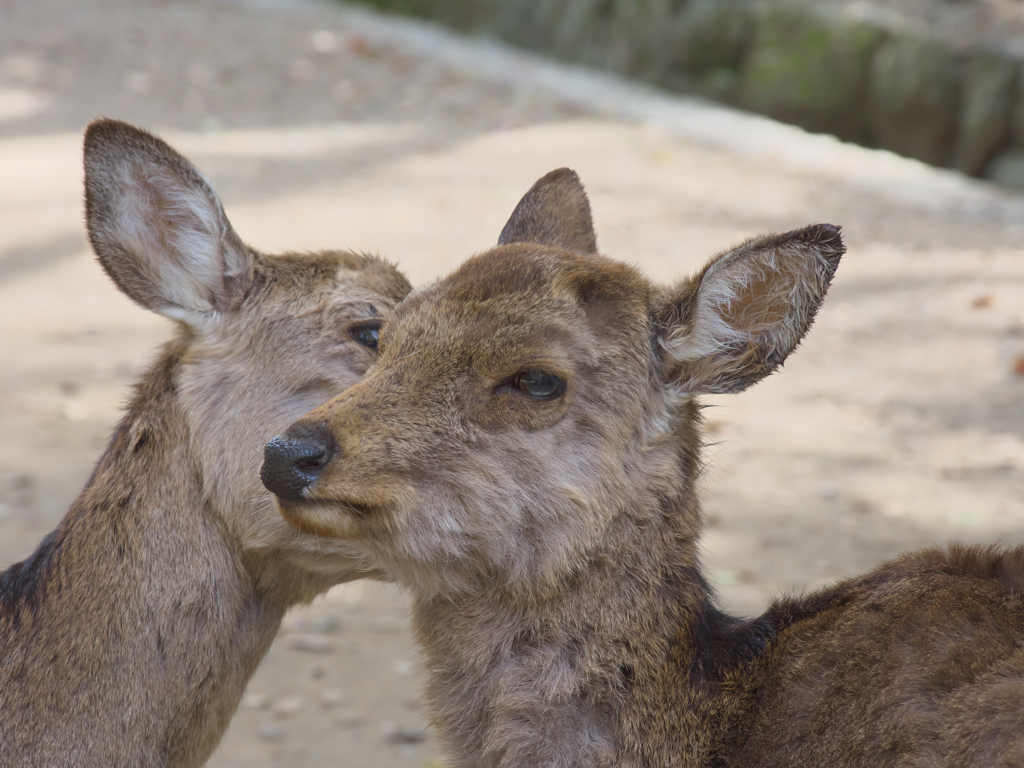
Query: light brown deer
{"x": 523, "y": 458}
{"x": 128, "y": 637}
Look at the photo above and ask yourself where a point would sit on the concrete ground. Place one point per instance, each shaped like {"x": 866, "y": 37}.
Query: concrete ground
{"x": 898, "y": 423}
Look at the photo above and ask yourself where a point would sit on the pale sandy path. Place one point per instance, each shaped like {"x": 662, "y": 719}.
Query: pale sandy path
{"x": 899, "y": 422}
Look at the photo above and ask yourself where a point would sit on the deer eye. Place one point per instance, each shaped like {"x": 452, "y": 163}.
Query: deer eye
{"x": 539, "y": 385}
{"x": 367, "y": 334}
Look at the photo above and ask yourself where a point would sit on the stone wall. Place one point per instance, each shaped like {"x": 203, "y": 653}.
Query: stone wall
{"x": 849, "y": 69}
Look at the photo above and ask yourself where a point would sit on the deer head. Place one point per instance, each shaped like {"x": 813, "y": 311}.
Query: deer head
{"x": 541, "y": 399}
{"x": 258, "y": 334}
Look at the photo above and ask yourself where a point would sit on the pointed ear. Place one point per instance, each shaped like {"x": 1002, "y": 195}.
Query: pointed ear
{"x": 741, "y": 316}
{"x": 554, "y": 212}
{"x": 158, "y": 227}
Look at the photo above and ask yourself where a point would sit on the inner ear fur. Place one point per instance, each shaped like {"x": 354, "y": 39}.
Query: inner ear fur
{"x": 739, "y": 318}
{"x": 555, "y": 212}
{"x": 158, "y": 227}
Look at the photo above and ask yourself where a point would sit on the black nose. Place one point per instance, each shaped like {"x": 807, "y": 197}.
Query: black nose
{"x": 293, "y": 462}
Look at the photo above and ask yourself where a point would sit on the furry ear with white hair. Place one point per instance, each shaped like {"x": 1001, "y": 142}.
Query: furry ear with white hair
{"x": 158, "y": 227}
{"x": 740, "y": 317}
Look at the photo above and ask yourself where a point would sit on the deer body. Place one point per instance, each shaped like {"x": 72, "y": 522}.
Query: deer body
{"x": 128, "y": 637}
{"x": 522, "y": 458}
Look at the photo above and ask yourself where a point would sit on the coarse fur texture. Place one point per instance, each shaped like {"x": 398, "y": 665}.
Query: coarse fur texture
{"x": 128, "y": 637}
{"x": 550, "y": 538}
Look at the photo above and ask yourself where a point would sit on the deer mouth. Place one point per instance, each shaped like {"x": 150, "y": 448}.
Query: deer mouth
{"x": 343, "y": 506}
{"x": 327, "y": 517}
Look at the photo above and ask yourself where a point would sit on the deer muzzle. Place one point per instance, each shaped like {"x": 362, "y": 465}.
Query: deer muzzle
{"x": 293, "y": 462}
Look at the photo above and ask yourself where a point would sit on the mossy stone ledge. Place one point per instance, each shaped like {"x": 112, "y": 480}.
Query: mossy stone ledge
{"x": 854, "y": 70}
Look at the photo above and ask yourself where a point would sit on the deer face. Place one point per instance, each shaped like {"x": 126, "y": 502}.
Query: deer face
{"x": 485, "y": 407}
{"x": 537, "y": 400}
{"x": 306, "y": 332}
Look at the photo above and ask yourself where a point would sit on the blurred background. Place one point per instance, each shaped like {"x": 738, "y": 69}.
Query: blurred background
{"x": 898, "y": 423}
{"x": 936, "y": 80}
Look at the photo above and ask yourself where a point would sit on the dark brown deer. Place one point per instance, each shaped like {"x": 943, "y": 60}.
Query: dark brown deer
{"x": 523, "y": 458}
{"x": 128, "y": 637}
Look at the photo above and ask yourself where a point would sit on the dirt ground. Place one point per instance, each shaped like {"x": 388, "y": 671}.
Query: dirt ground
{"x": 898, "y": 423}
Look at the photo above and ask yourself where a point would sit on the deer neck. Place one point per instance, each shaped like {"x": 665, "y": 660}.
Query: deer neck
{"x": 563, "y": 682}
{"x": 145, "y": 597}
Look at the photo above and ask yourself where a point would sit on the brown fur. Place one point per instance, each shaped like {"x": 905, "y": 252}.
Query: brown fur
{"x": 128, "y": 637}
{"x": 551, "y": 545}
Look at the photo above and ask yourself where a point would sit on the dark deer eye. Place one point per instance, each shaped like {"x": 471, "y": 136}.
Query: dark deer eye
{"x": 368, "y": 335}
{"x": 542, "y": 386}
